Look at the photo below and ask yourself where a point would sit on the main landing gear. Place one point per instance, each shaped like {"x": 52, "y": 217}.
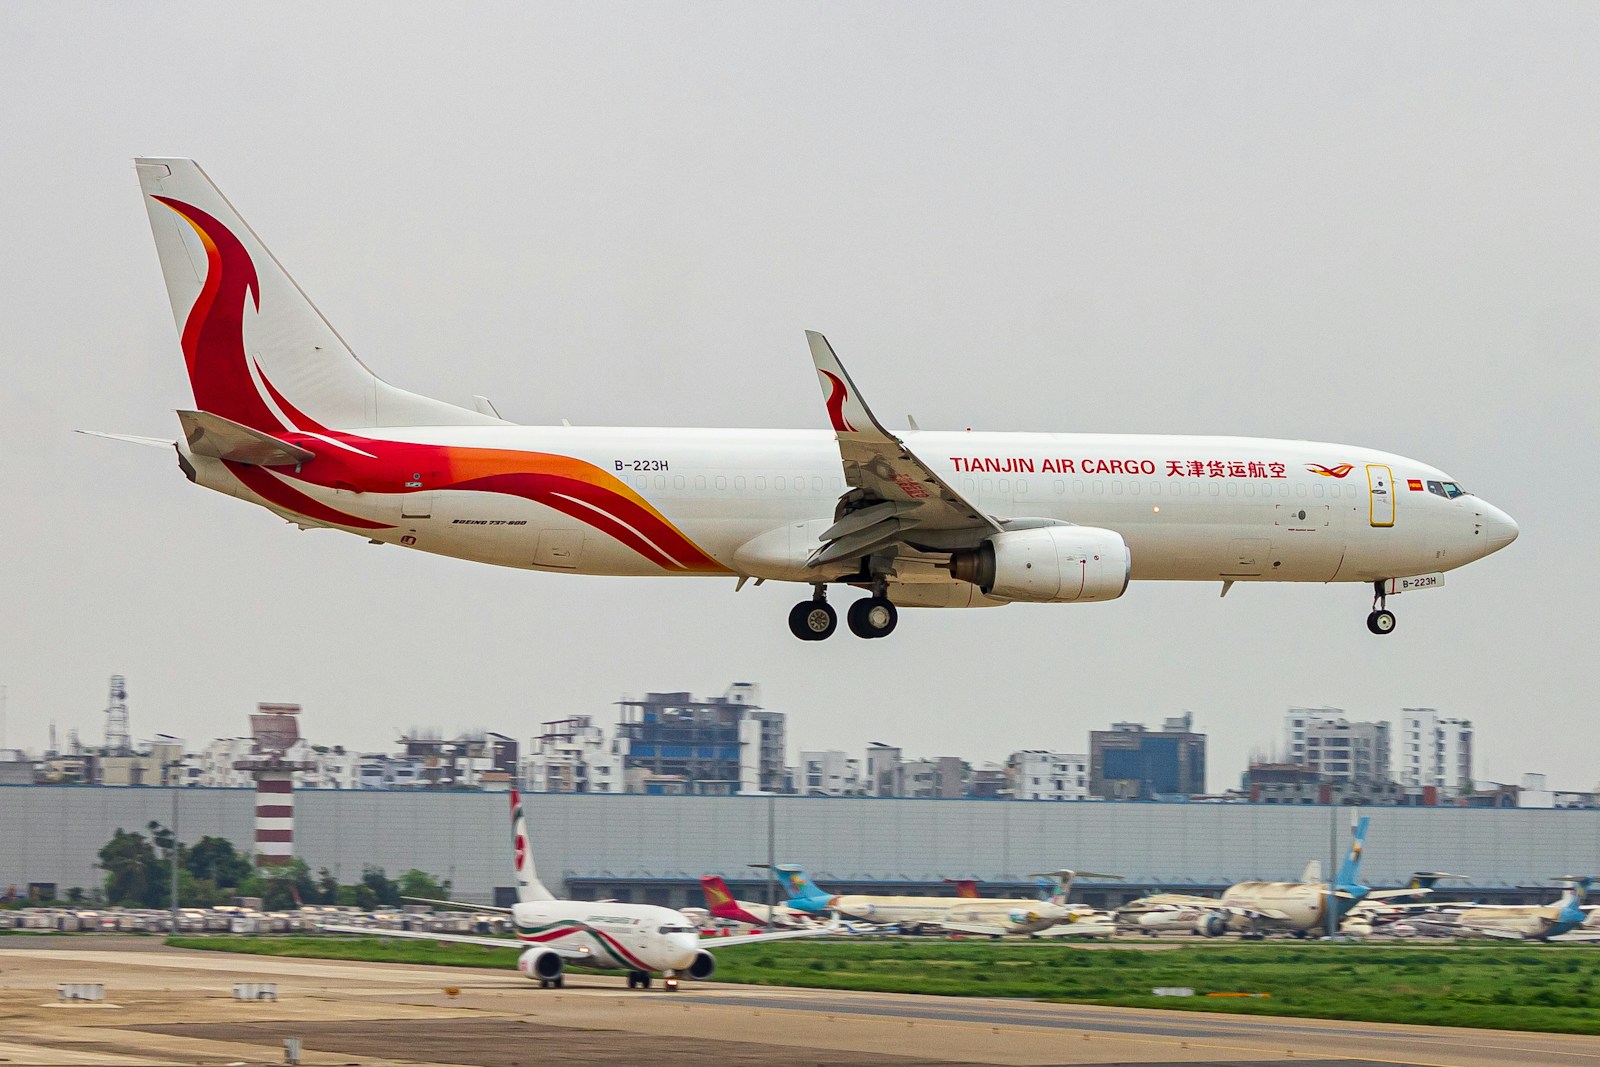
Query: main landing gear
{"x": 815, "y": 619}
{"x": 1381, "y": 620}
{"x": 638, "y": 979}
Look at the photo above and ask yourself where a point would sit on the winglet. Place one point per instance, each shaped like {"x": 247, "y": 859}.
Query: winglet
{"x": 847, "y": 412}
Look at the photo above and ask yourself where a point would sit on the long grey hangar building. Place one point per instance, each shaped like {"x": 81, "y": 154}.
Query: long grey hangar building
{"x": 655, "y": 848}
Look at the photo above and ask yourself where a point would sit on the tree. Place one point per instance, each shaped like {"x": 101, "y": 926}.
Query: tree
{"x": 358, "y": 896}
{"x": 216, "y": 860}
{"x": 280, "y": 886}
{"x": 415, "y": 883}
{"x": 383, "y": 890}
{"x": 132, "y": 871}
{"x": 327, "y": 887}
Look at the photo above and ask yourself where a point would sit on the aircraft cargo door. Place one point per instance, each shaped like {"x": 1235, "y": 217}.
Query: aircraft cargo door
{"x": 1380, "y": 494}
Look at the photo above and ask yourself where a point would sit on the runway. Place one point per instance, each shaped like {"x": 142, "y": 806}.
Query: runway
{"x": 168, "y": 1006}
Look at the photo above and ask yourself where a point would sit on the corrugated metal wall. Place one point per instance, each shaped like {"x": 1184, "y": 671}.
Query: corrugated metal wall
{"x": 52, "y": 834}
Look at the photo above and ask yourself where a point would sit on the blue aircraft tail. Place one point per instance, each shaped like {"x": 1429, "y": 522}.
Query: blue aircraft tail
{"x": 1350, "y": 869}
{"x": 798, "y": 886}
{"x": 1572, "y": 900}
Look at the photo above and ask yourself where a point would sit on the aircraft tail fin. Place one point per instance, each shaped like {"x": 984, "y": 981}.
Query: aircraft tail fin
{"x": 528, "y": 885}
{"x": 797, "y": 885}
{"x": 719, "y": 899}
{"x": 1350, "y": 869}
{"x": 258, "y": 351}
{"x": 1062, "y": 883}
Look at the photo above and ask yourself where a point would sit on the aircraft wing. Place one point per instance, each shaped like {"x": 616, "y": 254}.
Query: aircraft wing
{"x": 1385, "y": 894}
{"x": 456, "y": 939}
{"x": 974, "y": 928}
{"x": 892, "y": 490}
{"x": 460, "y": 905}
{"x": 1577, "y": 935}
{"x": 738, "y": 940}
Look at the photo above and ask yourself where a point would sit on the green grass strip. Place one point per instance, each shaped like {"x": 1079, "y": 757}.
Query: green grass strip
{"x": 1500, "y": 987}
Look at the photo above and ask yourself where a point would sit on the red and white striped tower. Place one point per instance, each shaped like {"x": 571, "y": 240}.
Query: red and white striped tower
{"x": 276, "y": 728}
{"x": 274, "y": 816}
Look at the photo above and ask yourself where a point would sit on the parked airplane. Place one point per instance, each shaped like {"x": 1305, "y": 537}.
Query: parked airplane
{"x": 721, "y": 904}
{"x": 288, "y": 418}
{"x": 642, "y": 939}
{"x": 1256, "y": 908}
{"x": 988, "y": 916}
{"x": 1379, "y": 913}
{"x": 1561, "y": 921}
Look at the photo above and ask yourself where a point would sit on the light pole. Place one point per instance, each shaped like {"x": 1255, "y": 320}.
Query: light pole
{"x": 174, "y": 901}
{"x": 1333, "y": 868}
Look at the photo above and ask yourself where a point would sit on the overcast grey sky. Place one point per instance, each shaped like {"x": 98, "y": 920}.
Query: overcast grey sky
{"x": 1363, "y": 223}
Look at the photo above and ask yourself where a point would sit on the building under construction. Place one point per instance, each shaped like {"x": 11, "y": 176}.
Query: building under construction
{"x": 718, "y": 746}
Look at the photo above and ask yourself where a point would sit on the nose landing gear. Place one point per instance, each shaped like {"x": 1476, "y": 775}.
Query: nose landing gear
{"x": 1381, "y": 619}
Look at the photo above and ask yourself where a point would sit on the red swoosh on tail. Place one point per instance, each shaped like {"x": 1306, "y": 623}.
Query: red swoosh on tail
{"x": 837, "y": 395}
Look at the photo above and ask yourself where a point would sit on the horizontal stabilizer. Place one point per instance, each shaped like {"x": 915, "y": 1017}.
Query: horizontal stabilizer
{"x": 220, "y": 438}
{"x": 152, "y": 442}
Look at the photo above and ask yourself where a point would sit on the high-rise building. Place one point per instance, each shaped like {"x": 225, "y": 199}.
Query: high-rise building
{"x": 573, "y": 755}
{"x": 1435, "y": 750}
{"x": 1130, "y": 761}
{"x": 1040, "y": 775}
{"x": 1343, "y": 751}
{"x": 882, "y": 763}
{"x": 718, "y": 746}
{"x": 1295, "y": 723}
{"x": 829, "y": 773}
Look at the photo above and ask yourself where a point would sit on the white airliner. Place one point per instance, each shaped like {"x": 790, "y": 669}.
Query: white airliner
{"x": 642, "y": 939}
{"x": 287, "y": 417}
{"x": 987, "y": 916}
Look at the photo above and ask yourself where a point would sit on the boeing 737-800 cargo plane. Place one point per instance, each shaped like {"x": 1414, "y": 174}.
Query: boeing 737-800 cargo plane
{"x": 287, "y": 417}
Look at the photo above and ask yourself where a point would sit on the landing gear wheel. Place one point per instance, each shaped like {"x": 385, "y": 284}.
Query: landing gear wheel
{"x": 1381, "y": 621}
{"x": 873, "y": 617}
{"x": 813, "y": 620}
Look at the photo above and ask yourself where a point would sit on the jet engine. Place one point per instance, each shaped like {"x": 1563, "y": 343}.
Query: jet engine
{"x": 1047, "y": 565}
{"x": 1211, "y": 925}
{"x": 540, "y": 963}
{"x": 704, "y": 966}
{"x": 1023, "y": 918}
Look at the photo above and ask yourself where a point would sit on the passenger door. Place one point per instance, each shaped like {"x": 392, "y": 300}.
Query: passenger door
{"x": 1380, "y": 494}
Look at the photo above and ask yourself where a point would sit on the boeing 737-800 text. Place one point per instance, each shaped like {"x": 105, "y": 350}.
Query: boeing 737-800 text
{"x": 287, "y": 417}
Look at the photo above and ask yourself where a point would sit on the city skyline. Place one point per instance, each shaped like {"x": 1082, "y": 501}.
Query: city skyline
{"x": 1218, "y": 778}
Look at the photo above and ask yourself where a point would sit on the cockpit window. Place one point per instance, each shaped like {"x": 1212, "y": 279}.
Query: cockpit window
{"x": 1448, "y": 490}
{"x": 677, "y": 929}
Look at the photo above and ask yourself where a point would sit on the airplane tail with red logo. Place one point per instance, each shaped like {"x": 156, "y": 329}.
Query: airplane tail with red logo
{"x": 721, "y": 903}
{"x": 258, "y": 351}
{"x": 528, "y": 885}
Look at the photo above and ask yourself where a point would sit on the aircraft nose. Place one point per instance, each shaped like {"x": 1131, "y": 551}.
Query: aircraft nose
{"x": 1499, "y": 529}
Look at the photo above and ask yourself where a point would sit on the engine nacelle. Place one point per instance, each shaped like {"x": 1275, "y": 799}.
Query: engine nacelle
{"x": 703, "y": 967}
{"x": 1211, "y": 925}
{"x": 1048, "y": 565}
{"x": 540, "y": 963}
